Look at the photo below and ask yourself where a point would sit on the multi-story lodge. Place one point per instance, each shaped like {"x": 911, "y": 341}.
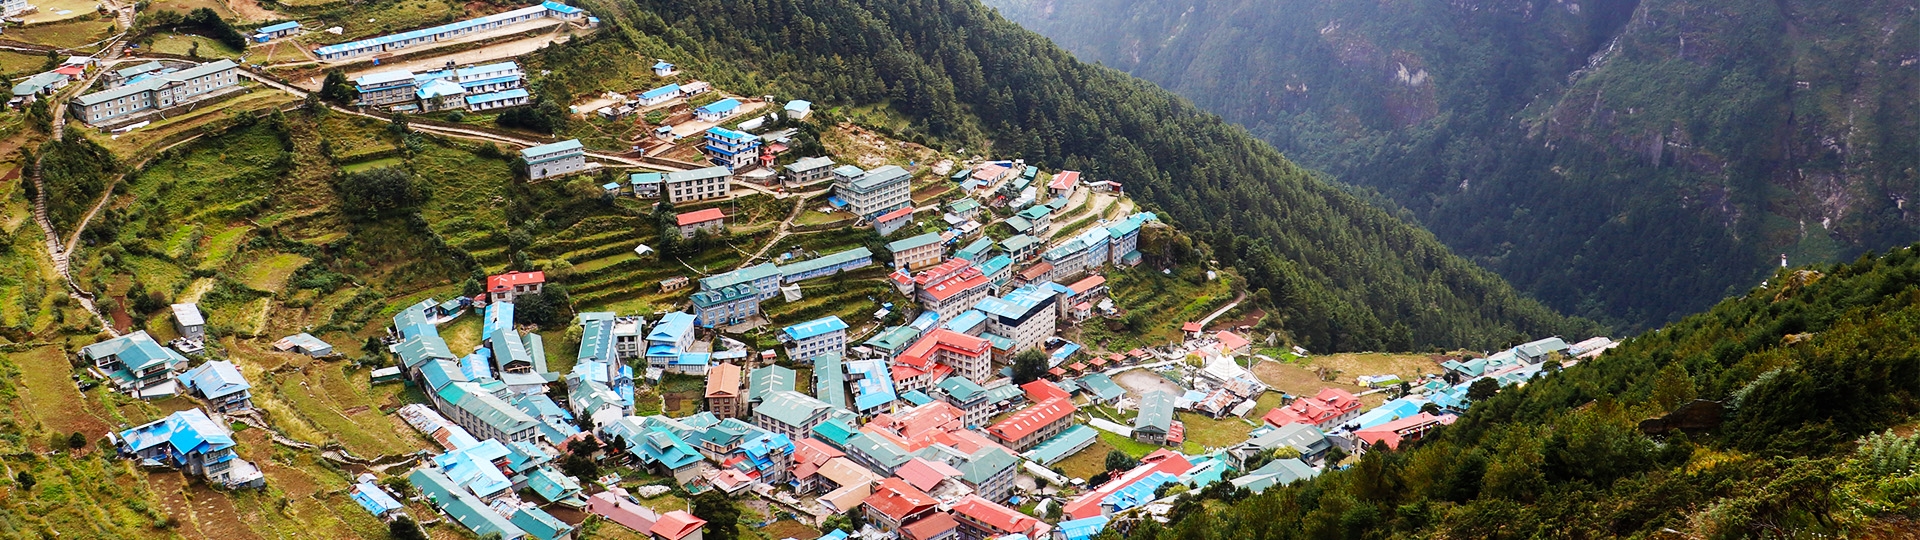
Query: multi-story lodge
{"x": 157, "y": 90}
{"x": 555, "y": 159}
{"x": 876, "y": 192}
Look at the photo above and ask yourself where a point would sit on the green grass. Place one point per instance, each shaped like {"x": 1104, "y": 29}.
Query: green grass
{"x": 65, "y": 34}
{"x": 1203, "y": 432}
{"x": 183, "y": 44}
{"x": 1090, "y": 461}
{"x": 391, "y": 161}
{"x": 1133, "y": 448}
{"x": 387, "y": 18}
{"x": 19, "y": 64}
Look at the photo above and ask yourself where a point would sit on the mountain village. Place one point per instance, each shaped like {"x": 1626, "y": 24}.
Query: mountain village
{"x": 973, "y": 388}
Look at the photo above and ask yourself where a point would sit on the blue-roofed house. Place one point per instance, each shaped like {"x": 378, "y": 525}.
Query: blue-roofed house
{"x": 466, "y": 509}
{"x": 1076, "y": 438}
{"x": 1080, "y": 529}
{"x": 276, "y": 31}
{"x": 798, "y": 109}
{"x": 830, "y": 380}
{"x": 730, "y": 148}
{"x": 667, "y": 338}
{"x": 541, "y": 525}
{"x": 376, "y": 500}
{"x": 718, "y": 110}
{"x": 1138, "y": 493}
{"x": 645, "y": 185}
{"x": 136, "y": 364}
{"x": 763, "y": 277}
{"x": 191, "y": 441}
{"x": 859, "y": 257}
{"x": 555, "y": 159}
{"x": 825, "y": 335}
{"x": 872, "y": 382}
{"x": 1278, "y": 472}
{"x": 218, "y": 382}
{"x": 552, "y": 486}
{"x": 917, "y": 397}
{"x": 662, "y": 69}
{"x": 484, "y": 414}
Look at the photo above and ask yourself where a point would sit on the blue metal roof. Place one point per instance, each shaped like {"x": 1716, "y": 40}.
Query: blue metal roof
{"x": 289, "y": 25}
{"x": 720, "y": 106}
{"x": 661, "y": 91}
{"x": 815, "y": 328}
{"x": 429, "y": 31}
{"x": 551, "y": 148}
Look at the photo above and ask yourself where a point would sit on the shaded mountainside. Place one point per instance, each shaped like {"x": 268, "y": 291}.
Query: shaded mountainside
{"x": 1814, "y": 368}
{"x": 1630, "y": 161}
{"x": 1344, "y": 274}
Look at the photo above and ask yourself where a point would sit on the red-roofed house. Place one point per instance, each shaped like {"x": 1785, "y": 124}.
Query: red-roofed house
{"x": 1031, "y": 425}
{"x": 1231, "y": 343}
{"x": 968, "y": 356}
{"x": 1407, "y": 429}
{"x": 503, "y": 287}
{"x": 724, "y": 398}
{"x": 1193, "y": 329}
{"x": 981, "y": 518}
{"x": 895, "y": 502}
{"x": 1063, "y": 183}
{"x": 1089, "y": 288}
{"x": 918, "y": 427}
{"x": 809, "y": 455}
{"x": 957, "y": 292}
{"x": 615, "y": 505}
{"x": 1163, "y": 460}
{"x": 711, "y": 220}
{"x": 938, "y": 526}
{"x": 1041, "y": 390}
{"x": 677, "y": 525}
{"x": 1326, "y": 411}
{"x": 925, "y": 475}
{"x": 893, "y": 221}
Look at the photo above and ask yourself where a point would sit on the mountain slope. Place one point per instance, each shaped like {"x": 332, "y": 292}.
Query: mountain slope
{"x": 1344, "y": 274}
{"x": 1626, "y": 160}
{"x": 1807, "y": 365}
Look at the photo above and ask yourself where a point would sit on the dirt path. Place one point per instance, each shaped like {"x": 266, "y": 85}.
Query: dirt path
{"x": 780, "y": 233}
{"x": 251, "y": 10}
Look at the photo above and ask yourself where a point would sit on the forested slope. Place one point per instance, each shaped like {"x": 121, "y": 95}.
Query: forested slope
{"x": 1628, "y": 160}
{"x": 1811, "y": 363}
{"x": 1345, "y": 274}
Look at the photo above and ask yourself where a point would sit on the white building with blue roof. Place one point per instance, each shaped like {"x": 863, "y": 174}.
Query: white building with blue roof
{"x": 668, "y": 338}
{"x": 220, "y": 383}
{"x": 156, "y": 91}
{"x": 825, "y": 335}
{"x": 276, "y": 31}
{"x": 730, "y": 148}
{"x": 659, "y": 95}
{"x": 193, "y": 442}
{"x": 136, "y": 365}
{"x": 434, "y": 34}
{"x": 555, "y": 159}
{"x": 718, "y": 110}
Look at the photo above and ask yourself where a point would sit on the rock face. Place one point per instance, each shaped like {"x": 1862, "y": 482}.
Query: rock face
{"x": 1631, "y": 160}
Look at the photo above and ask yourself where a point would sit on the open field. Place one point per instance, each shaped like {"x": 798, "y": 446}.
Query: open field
{"x": 1090, "y": 461}
{"x": 64, "y": 34}
{"x": 18, "y": 64}
{"x": 61, "y": 10}
{"x": 190, "y": 45}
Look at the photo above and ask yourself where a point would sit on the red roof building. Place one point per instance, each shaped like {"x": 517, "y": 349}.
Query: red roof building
{"x": 889, "y": 222}
{"x": 1193, "y": 329}
{"x": 1086, "y": 284}
{"x": 699, "y": 216}
{"x": 677, "y": 525}
{"x": 1326, "y": 411}
{"x": 1033, "y": 424}
{"x": 503, "y": 287}
{"x": 724, "y": 398}
{"x": 1041, "y": 390}
{"x": 1231, "y": 343}
{"x": 968, "y": 356}
{"x": 1411, "y": 428}
{"x": 951, "y": 287}
{"x": 809, "y": 455}
{"x": 895, "y": 502}
{"x": 1064, "y": 182}
{"x": 925, "y": 475}
{"x": 987, "y": 519}
{"x": 938, "y": 526}
{"x": 1163, "y": 460}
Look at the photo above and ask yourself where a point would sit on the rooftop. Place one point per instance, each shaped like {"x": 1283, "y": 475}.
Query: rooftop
{"x": 699, "y": 216}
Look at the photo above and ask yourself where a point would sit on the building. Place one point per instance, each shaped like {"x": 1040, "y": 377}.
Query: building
{"x": 556, "y": 159}
{"x": 936, "y": 526}
{"x": 967, "y": 356}
{"x": 1034, "y": 424}
{"x": 1278, "y": 472}
{"x": 304, "y": 343}
{"x": 724, "y": 396}
{"x": 975, "y": 251}
{"x": 1302, "y": 438}
{"x": 1021, "y": 247}
{"x": 1326, "y": 410}
{"x": 1063, "y": 183}
{"x": 658, "y": 95}
{"x": 712, "y": 220}
{"x": 790, "y": 413}
{"x": 726, "y": 306}
{"x": 276, "y": 31}
{"x": 1155, "y": 420}
{"x": 763, "y": 277}
{"x": 889, "y": 222}
{"x": 662, "y": 69}
{"x": 917, "y": 252}
{"x": 156, "y": 91}
{"x": 484, "y": 414}
{"x": 984, "y": 517}
{"x": 809, "y": 169}
{"x": 825, "y": 335}
{"x": 1154, "y": 470}
{"x": 677, "y": 525}
{"x": 191, "y": 441}
{"x": 827, "y": 265}
{"x": 504, "y": 287}
{"x": 135, "y": 364}
{"x": 875, "y": 192}
{"x": 188, "y": 321}
{"x": 1026, "y": 316}
{"x": 990, "y": 471}
{"x": 731, "y": 149}
{"x": 950, "y": 288}
{"x": 414, "y": 38}
{"x": 798, "y": 109}
{"x": 11, "y": 8}
{"x": 895, "y": 503}
{"x": 697, "y": 184}
{"x": 385, "y": 88}
{"x": 218, "y": 382}
{"x": 718, "y": 110}
{"x": 1408, "y": 429}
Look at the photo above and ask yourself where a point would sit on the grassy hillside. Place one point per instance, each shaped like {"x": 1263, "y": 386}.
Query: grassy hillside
{"x": 1817, "y": 370}
{"x": 1631, "y": 161}
{"x": 1344, "y": 274}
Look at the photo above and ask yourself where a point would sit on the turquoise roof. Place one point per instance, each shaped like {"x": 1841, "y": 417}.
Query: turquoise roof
{"x": 746, "y": 275}
{"x": 463, "y": 507}
{"x": 826, "y": 261}
{"x": 137, "y": 351}
{"x": 960, "y": 388}
{"x": 917, "y": 397}
{"x": 790, "y": 408}
{"x": 984, "y": 464}
{"x": 540, "y": 524}
{"x": 830, "y": 381}
{"x": 1058, "y": 447}
{"x": 925, "y": 239}
{"x": 763, "y": 382}
{"x": 815, "y": 328}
